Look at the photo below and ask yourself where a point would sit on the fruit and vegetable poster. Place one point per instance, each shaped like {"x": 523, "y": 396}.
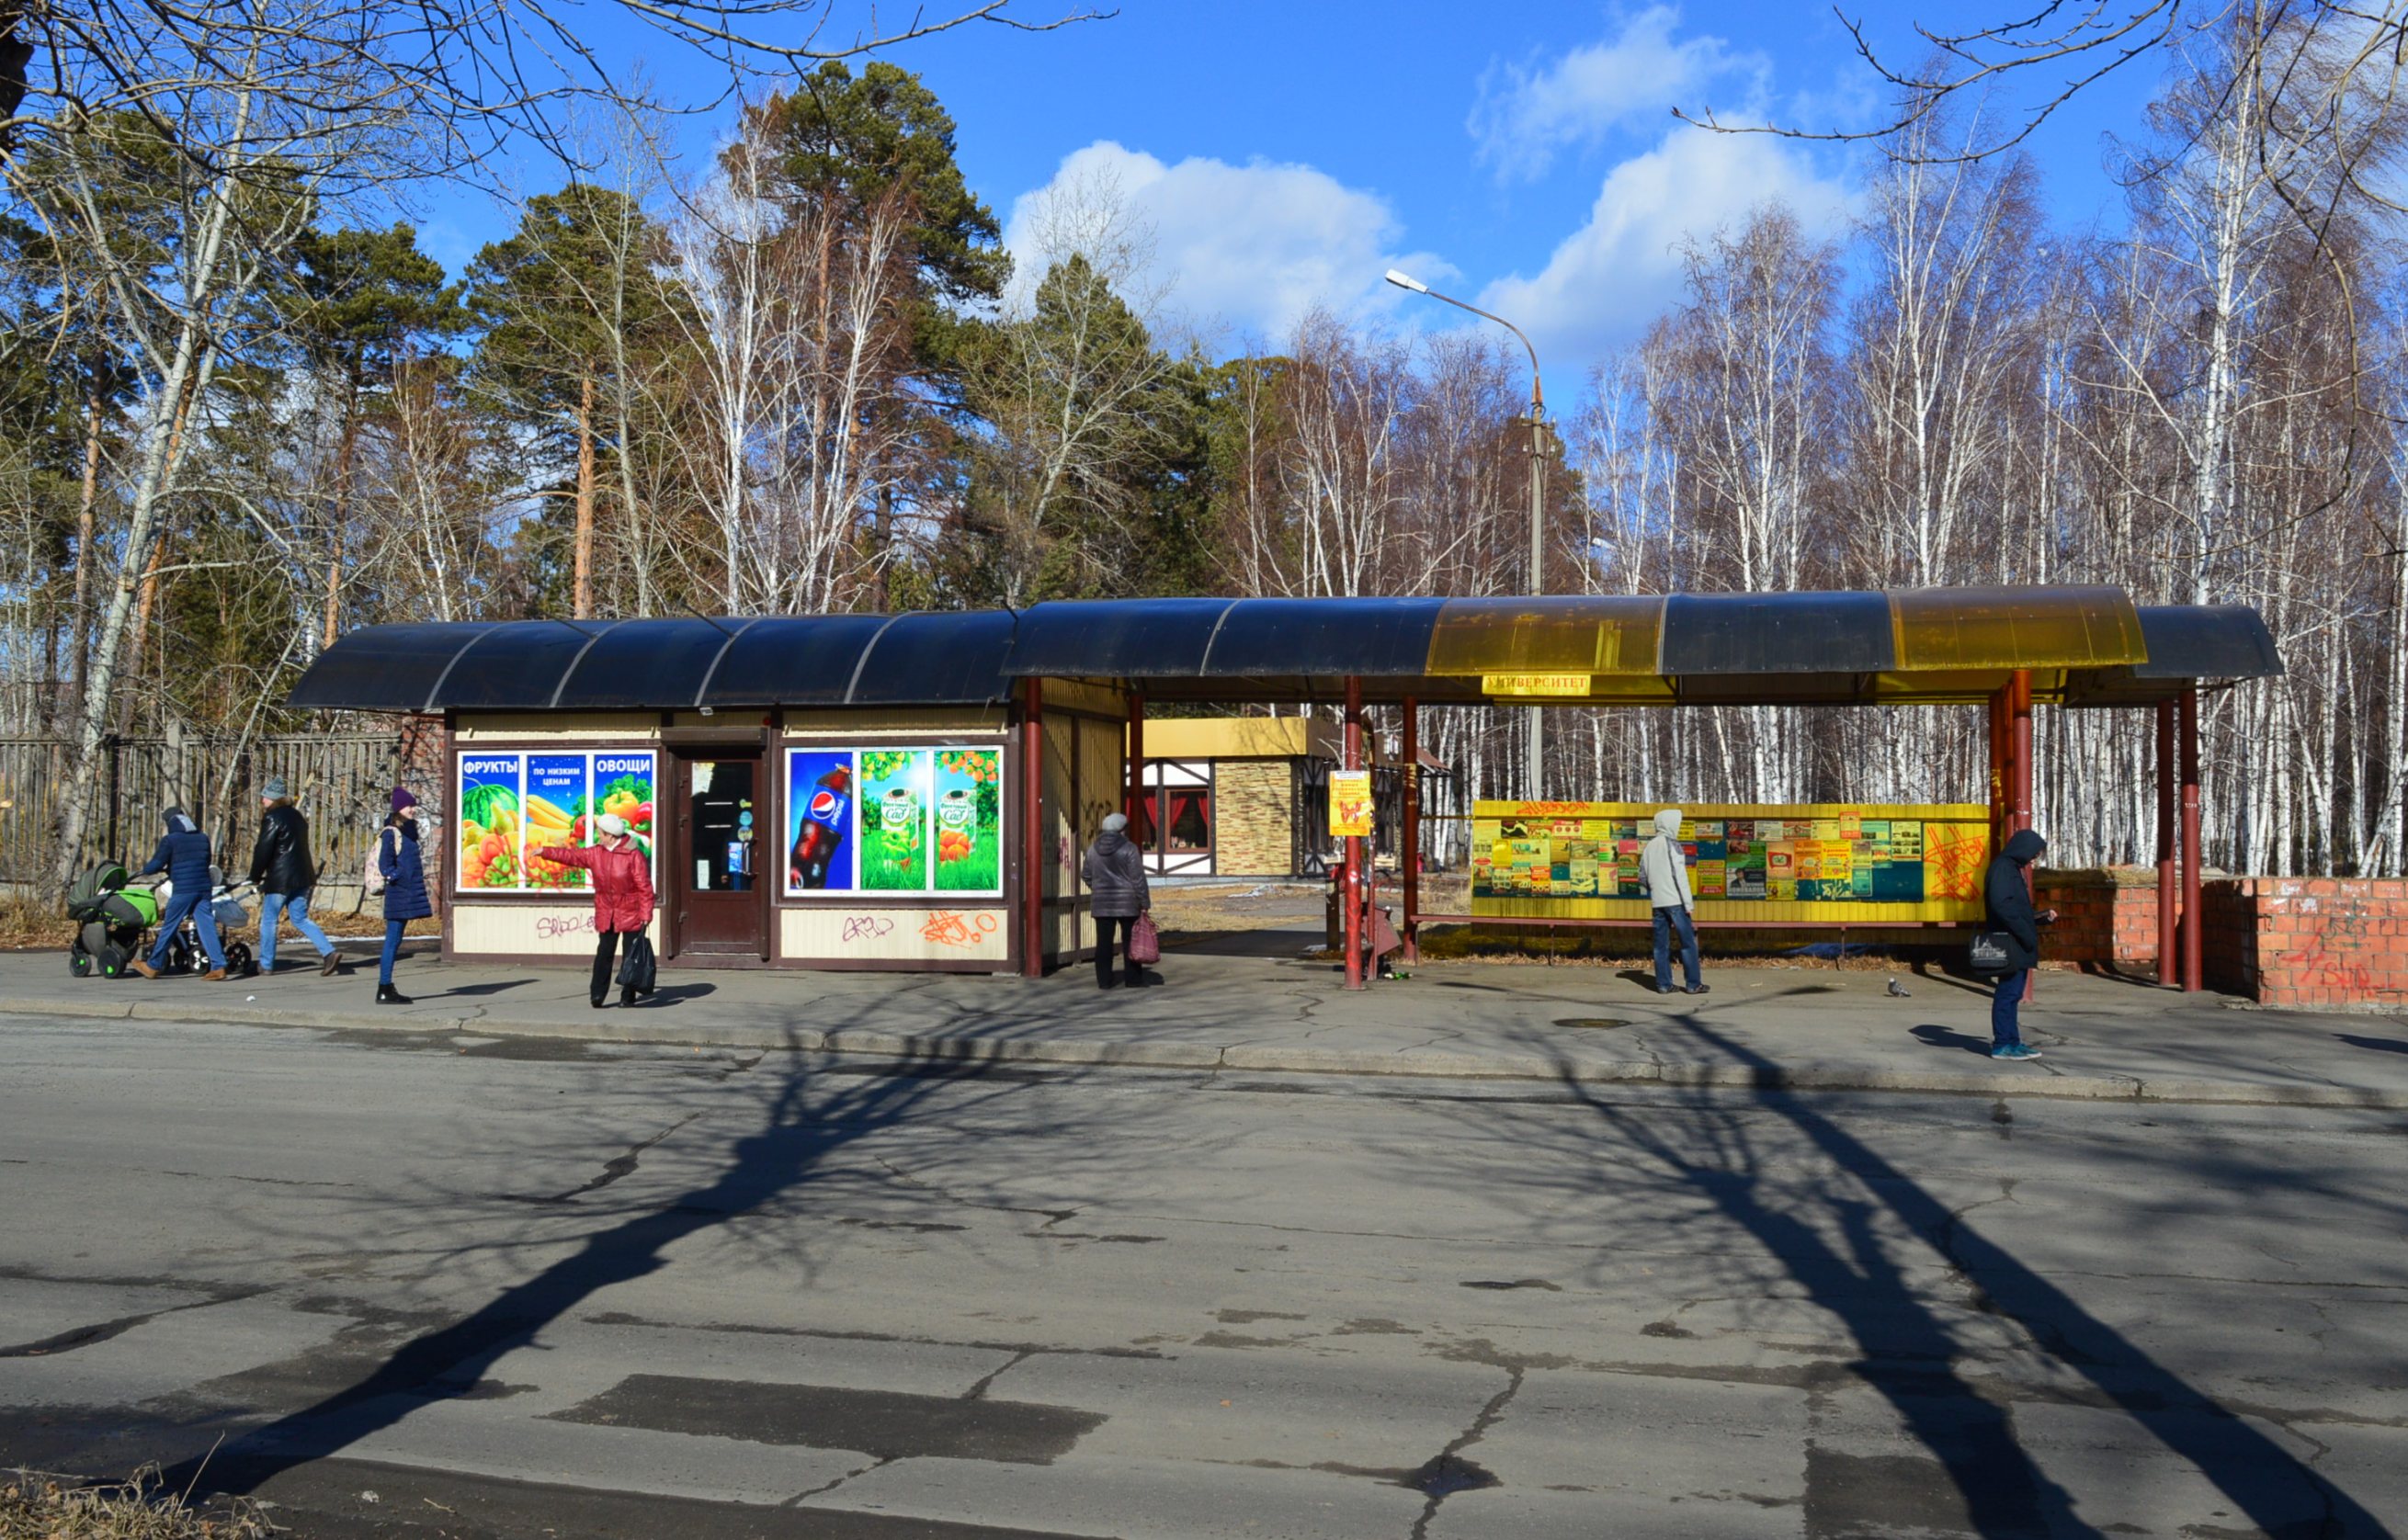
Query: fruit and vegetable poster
{"x": 893, "y": 820}
{"x": 1860, "y": 862}
{"x": 515, "y": 805}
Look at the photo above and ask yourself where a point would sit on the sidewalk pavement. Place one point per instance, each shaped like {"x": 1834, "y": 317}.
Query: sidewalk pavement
{"x": 1225, "y": 1005}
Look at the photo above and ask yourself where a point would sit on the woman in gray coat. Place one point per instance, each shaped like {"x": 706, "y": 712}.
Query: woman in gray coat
{"x": 1115, "y": 874}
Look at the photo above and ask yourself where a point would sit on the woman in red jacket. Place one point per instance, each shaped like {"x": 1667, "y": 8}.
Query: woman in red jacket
{"x": 622, "y": 895}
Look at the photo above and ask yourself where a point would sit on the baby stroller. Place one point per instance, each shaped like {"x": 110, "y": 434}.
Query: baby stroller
{"x": 114, "y": 911}
{"x": 110, "y": 919}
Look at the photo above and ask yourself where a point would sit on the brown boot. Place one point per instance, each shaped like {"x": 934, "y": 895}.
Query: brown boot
{"x": 215, "y": 976}
{"x": 145, "y": 969}
{"x": 331, "y": 966}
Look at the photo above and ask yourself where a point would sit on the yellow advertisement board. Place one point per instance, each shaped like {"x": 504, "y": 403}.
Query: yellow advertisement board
{"x": 1350, "y": 803}
{"x": 1854, "y": 864}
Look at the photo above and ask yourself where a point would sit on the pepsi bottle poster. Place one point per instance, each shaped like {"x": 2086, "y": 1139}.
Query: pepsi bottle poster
{"x": 822, "y": 829}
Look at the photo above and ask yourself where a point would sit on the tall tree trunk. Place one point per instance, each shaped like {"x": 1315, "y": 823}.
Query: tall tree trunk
{"x": 138, "y": 637}
{"x": 87, "y": 501}
{"x": 339, "y": 520}
{"x": 581, "y": 602}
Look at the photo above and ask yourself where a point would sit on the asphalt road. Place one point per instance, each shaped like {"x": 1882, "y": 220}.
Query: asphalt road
{"x": 419, "y": 1285}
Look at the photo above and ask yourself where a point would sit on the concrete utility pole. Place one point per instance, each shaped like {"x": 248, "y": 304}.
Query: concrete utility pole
{"x": 1538, "y": 495}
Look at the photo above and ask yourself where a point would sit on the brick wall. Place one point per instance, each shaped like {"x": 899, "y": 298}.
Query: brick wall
{"x": 2104, "y": 917}
{"x": 1254, "y": 803}
{"x": 2308, "y": 941}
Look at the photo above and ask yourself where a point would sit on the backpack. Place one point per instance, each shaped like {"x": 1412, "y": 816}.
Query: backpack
{"x": 372, "y": 877}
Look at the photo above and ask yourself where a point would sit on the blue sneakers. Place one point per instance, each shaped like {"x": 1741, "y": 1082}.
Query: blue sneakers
{"x": 2015, "y": 1050}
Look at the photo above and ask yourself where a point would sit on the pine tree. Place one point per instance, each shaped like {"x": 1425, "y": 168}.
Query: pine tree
{"x": 559, "y": 303}
{"x": 356, "y": 306}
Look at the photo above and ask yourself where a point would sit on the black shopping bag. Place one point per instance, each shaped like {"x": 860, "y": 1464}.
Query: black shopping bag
{"x": 636, "y": 966}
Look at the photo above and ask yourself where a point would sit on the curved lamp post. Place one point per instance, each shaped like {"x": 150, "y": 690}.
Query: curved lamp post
{"x": 1538, "y": 488}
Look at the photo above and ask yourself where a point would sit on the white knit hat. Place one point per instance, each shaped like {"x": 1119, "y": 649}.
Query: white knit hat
{"x": 611, "y": 824}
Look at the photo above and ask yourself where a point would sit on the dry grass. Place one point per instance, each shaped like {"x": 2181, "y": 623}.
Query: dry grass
{"x": 35, "y": 1506}
{"x": 33, "y": 925}
{"x": 27, "y": 923}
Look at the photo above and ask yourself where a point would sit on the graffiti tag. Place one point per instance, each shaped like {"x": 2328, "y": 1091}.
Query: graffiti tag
{"x": 947, "y": 928}
{"x": 549, "y": 926}
{"x": 867, "y": 927}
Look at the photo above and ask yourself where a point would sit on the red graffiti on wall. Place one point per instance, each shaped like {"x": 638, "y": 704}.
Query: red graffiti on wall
{"x": 948, "y": 928}
{"x": 2319, "y": 967}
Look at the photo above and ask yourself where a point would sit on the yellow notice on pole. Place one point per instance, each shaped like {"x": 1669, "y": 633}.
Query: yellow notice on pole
{"x": 1555, "y": 686}
{"x": 1350, "y": 803}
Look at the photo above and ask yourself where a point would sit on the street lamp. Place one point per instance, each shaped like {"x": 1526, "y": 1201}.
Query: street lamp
{"x": 1538, "y": 487}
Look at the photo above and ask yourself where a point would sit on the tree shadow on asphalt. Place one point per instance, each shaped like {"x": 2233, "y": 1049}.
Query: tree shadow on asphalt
{"x": 815, "y": 1111}
{"x": 1908, "y": 1353}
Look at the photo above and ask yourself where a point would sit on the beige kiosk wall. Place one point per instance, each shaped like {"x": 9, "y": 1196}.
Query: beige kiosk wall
{"x": 528, "y": 930}
{"x": 586, "y": 729}
{"x": 836, "y": 933}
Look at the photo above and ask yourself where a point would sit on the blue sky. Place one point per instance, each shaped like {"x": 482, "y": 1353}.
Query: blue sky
{"x": 1285, "y": 154}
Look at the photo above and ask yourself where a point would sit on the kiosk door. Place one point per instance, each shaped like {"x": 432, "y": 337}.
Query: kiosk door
{"x": 714, "y": 872}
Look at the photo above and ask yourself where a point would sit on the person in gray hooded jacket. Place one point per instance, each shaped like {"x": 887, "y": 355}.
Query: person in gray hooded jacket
{"x": 1117, "y": 892}
{"x": 1664, "y": 872}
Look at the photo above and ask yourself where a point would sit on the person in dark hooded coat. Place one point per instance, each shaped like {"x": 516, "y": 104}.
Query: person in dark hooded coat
{"x": 2006, "y": 902}
{"x": 1116, "y": 885}
{"x": 183, "y": 854}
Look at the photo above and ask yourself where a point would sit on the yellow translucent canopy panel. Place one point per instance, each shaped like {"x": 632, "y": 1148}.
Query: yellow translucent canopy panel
{"x": 1974, "y": 628}
{"x": 1958, "y": 686}
{"x": 1572, "y": 633}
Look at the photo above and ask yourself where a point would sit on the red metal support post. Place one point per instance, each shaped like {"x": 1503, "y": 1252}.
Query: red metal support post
{"x": 1032, "y": 830}
{"x": 1997, "y": 791}
{"x": 1349, "y": 895}
{"x": 1409, "y": 861}
{"x": 1134, "y": 762}
{"x": 2020, "y": 784}
{"x": 2169, "y": 965}
{"x": 2193, "y": 970}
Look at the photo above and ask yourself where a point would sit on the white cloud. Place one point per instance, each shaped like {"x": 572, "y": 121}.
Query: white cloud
{"x": 1525, "y": 114}
{"x": 1255, "y": 246}
{"x": 1613, "y": 276}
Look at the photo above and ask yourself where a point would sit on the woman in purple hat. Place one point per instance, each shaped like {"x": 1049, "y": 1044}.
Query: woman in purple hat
{"x": 405, "y": 887}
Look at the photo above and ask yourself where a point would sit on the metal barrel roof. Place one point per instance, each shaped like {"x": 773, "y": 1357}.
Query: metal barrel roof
{"x": 2084, "y": 644}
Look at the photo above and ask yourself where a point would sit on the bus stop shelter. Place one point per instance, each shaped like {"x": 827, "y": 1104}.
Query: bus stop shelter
{"x": 2008, "y": 649}
{"x": 1029, "y": 724}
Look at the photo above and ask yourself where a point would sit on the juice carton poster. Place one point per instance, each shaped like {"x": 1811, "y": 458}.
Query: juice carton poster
{"x": 822, "y": 828}
{"x": 970, "y": 820}
{"x": 559, "y": 805}
{"x": 896, "y": 790}
{"x": 491, "y": 787}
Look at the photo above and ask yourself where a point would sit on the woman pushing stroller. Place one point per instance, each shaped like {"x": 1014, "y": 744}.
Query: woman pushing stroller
{"x": 183, "y": 854}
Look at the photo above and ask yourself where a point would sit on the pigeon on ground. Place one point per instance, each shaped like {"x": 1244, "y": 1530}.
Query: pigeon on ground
{"x": 1895, "y": 993}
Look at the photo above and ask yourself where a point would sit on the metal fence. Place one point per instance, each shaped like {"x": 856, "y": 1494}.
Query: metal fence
{"x": 341, "y": 779}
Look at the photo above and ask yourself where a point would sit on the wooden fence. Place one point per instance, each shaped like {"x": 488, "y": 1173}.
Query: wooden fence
{"x": 341, "y": 779}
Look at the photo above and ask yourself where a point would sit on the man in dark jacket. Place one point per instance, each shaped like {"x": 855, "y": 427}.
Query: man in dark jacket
{"x": 183, "y": 854}
{"x": 1117, "y": 894}
{"x": 281, "y": 869}
{"x": 2006, "y": 900}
